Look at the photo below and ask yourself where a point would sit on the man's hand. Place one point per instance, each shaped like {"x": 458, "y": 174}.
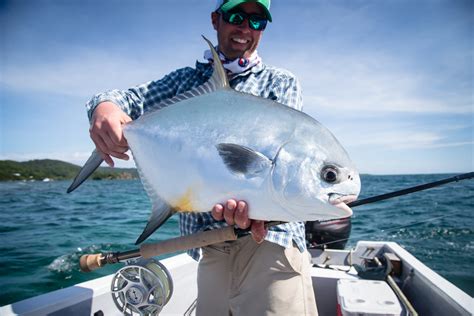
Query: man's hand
{"x": 106, "y": 132}
{"x": 236, "y": 213}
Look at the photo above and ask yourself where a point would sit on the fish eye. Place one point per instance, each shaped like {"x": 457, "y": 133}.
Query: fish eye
{"x": 329, "y": 174}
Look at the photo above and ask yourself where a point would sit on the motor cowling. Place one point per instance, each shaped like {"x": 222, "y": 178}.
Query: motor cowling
{"x": 332, "y": 234}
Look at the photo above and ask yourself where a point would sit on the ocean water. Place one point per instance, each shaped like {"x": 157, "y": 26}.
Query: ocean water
{"x": 44, "y": 231}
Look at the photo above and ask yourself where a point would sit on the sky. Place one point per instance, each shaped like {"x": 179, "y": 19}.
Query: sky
{"x": 392, "y": 79}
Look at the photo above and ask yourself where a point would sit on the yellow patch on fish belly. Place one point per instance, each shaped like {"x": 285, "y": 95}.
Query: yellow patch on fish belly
{"x": 184, "y": 203}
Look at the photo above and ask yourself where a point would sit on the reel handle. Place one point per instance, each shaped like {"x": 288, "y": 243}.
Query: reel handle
{"x": 91, "y": 262}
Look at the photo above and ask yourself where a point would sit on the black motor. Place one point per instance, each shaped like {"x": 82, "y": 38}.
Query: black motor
{"x": 332, "y": 234}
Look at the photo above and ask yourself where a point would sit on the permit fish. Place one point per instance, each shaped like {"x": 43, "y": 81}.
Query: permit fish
{"x": 213, "y": 143}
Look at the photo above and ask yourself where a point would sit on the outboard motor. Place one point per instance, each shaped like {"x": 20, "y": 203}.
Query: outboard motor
{"x": 332, "y": 234}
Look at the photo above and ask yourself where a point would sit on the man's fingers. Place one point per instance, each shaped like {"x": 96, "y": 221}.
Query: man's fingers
{"x": 125, "y": 118}
{"x": 218, "y": 212}
{"x": 115, "y": 133}
{"x": 104, "y": 149}
{"x": 107, "y": 133}
{"x": 99, "y": 144}
{"x": 104, "y": 142}
{"x": 258, "y": 231}
{"x": 229, "y": 211}
{"x": 106, "y": 158}
{"x": 118, "y": 155}
{"x": 241, "y": 216}
{"x": 234, "y": 213}
{"x": 111, "y": 145}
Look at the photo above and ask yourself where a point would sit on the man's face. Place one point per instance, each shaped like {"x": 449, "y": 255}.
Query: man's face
{"x": 238, "y": 40}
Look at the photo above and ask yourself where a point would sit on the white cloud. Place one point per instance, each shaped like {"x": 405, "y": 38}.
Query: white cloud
{"x": 390, "y": 134}
{"x": 374, "y": 84}
{"x": 449, "y": 144}
{"x": 404, "y": 139}
{"x": 82, "y": 74}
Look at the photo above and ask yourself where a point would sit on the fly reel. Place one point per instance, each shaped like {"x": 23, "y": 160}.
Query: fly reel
{"x": 142, "y": 288}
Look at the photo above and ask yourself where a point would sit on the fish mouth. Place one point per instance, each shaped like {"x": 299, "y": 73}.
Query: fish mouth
{"x": 341, "y": 201}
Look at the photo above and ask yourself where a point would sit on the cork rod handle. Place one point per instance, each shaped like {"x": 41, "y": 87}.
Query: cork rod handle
{"x": 91, "y": 262}
{"x": 188, "y": 242}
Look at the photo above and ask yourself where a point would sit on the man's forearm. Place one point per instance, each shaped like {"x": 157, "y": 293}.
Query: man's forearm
{"x": 128, "y": 102}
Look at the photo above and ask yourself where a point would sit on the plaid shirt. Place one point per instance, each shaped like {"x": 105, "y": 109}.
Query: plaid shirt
{"x": 261, "y": 80}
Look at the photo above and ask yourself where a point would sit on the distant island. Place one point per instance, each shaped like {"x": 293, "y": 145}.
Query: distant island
{"x": 47, "y": 170}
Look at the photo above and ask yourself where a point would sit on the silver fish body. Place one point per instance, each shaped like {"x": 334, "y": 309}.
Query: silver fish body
{"x": 214, "y": 143}
{"x": 178, "y": 156}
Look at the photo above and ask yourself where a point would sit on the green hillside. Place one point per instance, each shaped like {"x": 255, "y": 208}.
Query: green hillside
{"x": 56, "y": 170}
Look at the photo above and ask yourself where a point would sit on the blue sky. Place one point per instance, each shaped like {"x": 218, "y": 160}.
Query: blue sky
{"x": 393, "y": 80}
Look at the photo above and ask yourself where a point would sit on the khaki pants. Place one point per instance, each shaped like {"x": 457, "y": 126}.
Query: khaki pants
{"x": 243, "y": 278}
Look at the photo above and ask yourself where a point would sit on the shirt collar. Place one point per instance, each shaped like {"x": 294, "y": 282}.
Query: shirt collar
{"x": 205, "y": 69}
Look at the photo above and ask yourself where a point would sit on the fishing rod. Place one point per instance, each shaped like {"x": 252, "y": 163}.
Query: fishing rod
{"x": 417, "y": 188}
{"x": 90, "y": 262}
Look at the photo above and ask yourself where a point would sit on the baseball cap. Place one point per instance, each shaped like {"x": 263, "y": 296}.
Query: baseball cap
{"x": 227, "y": 5}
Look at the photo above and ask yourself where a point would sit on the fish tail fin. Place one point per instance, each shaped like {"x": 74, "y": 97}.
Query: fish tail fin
{"x": 160, "y": 213}
{"x": 89, "y": 167}
{"x": 219, "y": 76}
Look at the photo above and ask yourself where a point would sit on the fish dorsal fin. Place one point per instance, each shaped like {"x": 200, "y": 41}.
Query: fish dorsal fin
{"x": 243, "y": 160}
{"x": 217, "y": 81}
{"x": 219, "y": 77}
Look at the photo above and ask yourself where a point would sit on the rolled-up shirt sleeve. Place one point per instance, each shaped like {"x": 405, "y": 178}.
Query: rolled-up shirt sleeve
{"x": 128, "y": 101}
{"x": 137, "y": 100}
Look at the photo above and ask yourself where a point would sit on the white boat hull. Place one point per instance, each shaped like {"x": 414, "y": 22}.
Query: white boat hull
{"x": 428, "y": 292}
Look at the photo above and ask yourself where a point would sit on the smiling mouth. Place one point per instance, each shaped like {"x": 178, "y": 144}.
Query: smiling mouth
{"x": 240, "y": 40}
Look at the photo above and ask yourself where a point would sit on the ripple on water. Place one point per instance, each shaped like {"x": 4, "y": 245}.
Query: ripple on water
{"x": 67, "y": 263}
{"x": 9, "y": 229}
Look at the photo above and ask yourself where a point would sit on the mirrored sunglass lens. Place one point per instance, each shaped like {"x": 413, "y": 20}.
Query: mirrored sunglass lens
{"x": 257, "y": 24}
{"x": 236, "y": 18}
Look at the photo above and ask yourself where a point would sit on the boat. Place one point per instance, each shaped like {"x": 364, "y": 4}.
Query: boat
{"x": 339, "y": 278}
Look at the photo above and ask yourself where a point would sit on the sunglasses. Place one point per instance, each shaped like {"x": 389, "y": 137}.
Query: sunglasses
{"x": 256, "y": 22}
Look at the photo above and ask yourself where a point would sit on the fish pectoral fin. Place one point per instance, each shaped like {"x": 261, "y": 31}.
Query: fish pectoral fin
{"x": 160, "y": 213}
{"x": 243, "y": 160}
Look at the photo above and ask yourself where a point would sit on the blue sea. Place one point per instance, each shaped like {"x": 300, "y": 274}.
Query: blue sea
{"x": 44, "y": 231}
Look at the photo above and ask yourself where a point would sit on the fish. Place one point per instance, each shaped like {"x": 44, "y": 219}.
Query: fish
{"x": 213, "y": 143}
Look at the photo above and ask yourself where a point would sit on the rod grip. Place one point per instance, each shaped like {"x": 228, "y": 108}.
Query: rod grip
{"x": 91, "y": 262}
{"x": 197, "y": 240}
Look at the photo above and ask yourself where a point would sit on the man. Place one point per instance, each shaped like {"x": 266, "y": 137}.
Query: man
{"x": 267, "y": 273}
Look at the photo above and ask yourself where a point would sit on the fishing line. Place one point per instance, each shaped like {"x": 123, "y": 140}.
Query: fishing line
{"x": 416, "y": 223}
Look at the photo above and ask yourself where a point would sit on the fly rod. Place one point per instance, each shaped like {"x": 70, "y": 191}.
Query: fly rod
{"x": 90, "y": 262}
{"x": 417, "y": 188}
